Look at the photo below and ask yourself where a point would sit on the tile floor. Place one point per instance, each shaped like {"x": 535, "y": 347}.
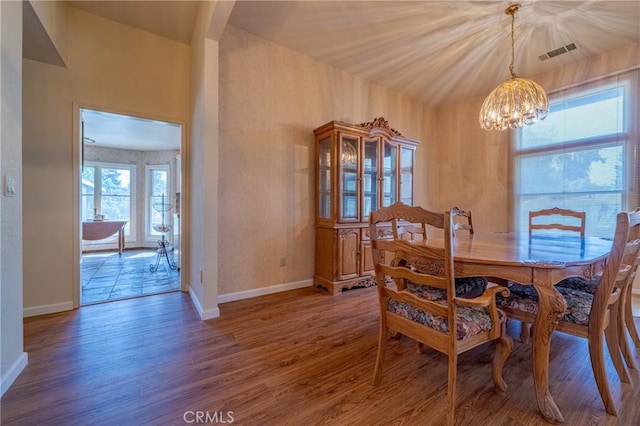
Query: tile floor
{"x": 106, "y": 276}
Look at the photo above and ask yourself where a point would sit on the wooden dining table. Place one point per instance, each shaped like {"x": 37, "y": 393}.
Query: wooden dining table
{"x": 541, "y": 261}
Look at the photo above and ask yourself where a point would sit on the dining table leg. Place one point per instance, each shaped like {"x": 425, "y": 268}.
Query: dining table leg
{"x": 551, "y": 307}
{"x": 120, "y": 240}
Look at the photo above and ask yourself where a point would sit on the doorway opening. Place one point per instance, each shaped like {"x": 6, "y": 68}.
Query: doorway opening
{"x": 129, "y": 205}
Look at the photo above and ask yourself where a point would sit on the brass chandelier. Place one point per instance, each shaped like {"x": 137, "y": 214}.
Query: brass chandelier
{"x": 515, "y": 102}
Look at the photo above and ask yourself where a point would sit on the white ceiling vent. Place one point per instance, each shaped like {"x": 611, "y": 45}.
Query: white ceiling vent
{"x": 559, "y": 51}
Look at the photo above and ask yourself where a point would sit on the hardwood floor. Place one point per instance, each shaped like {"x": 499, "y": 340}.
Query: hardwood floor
{"x": 300, "y": 358}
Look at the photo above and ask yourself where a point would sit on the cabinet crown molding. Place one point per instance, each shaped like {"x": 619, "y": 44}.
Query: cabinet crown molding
{"x": 379, "y": 123}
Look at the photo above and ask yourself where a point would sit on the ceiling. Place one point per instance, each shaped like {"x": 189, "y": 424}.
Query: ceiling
{"x": 435, "y": 51}
{"x": 170, "y": 19}
{"x": 117, "y": 131}
{"x": 441, "y": 51}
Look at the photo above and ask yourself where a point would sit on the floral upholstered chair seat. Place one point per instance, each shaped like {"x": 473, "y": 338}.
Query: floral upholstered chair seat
{"x": 525, "y": 298}
{"x": 470, "y": 321}
{"x": 577, "y": 283}
{"x": 466, "y": 287}
{"x": 574, "y": 283}
{"x": 470, "y": 287}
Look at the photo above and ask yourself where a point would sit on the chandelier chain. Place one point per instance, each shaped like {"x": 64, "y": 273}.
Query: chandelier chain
{"x": 517, "y": 101}
{"x": 513, "y": 43}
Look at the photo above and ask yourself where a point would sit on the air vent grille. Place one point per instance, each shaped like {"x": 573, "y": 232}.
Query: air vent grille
{"x": 559, "y": 51}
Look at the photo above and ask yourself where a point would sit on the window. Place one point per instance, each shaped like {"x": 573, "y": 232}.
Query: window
{"x": 583, "y": 156}
{"x": 106, "y": 189}
{"x": 159, "y": 199}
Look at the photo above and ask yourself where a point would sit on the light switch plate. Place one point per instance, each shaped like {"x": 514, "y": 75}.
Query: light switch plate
{"x": 9, "y": 186}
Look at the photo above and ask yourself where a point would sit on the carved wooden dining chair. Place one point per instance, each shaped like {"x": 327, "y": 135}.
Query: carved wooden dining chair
{"x": 418, "y": 298}
{"x": 630, "y": 324}
{"x": 534, "y": 222}
{"x": 467, "y": 287}
{"x": 409, "y": 231}
{"x": 592, "y": 316}
{"x": 466, "y": 220}
{"x": 626, "y": 322}
{"x": 463, "y": 221}
{"x": 544, "y": 220}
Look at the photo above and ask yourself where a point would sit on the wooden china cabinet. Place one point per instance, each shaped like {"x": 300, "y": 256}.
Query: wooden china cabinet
{"x": 359, "y": 168}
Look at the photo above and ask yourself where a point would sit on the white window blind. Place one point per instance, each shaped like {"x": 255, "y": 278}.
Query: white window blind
{"x": 583, "y": 156}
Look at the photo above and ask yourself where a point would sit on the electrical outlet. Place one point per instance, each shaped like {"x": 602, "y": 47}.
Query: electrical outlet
{"x": 283, "y": 261}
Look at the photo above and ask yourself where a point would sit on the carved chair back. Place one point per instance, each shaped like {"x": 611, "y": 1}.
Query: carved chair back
{"x": 463, "y": 220}
{"x": 555, "y": 211}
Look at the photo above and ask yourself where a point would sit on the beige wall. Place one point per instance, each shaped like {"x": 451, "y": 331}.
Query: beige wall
{"x": 111, "y": 67}
{"x": 47, "y": 187}
{"x": 203, "y": 158}
{"x": 476, "y": 163}
{"x": 471, "y": 166}
{"x": 12, "y": 356}
{"x": 271, "y": 99}
{"x": 196, "y": 160}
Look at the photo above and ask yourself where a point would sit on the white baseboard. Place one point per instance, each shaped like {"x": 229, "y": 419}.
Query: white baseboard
{"x": 204, "y": 315}
{"x": 210, "y": 314}
{"x": 47, "y": 309}
{"x": 230, "y": 297}
{"x": 13, "y": 372}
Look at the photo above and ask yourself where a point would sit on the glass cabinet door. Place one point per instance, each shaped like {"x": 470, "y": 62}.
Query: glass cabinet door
{"x": 324, "y": 178}
{"x": 406, "y": 176}
{"x": 370, "y": 185}
{"x": 348, "y": 154}
{"x": 390, "y": 175}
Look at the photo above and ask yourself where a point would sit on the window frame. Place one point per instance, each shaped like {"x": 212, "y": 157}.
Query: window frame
{"x": 627, "y": 139}
{"x": 150, "y": 233}
{"x": 130, "y": 234}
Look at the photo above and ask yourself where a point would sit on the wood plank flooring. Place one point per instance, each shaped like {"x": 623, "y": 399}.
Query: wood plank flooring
{"x": 297, "y": 358}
